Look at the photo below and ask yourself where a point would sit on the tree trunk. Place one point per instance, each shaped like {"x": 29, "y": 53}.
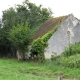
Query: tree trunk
{"x": 20, "y": 56}
{"x": 60, "y": 78}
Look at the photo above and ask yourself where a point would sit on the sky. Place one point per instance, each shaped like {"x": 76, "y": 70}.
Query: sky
{"x": 58, "y": 7}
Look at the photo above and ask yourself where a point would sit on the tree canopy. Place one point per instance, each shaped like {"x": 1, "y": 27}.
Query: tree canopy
{"x": 27, "y": 12}
{"x": 20, "y": 36}
{"x": 14, "y": 16}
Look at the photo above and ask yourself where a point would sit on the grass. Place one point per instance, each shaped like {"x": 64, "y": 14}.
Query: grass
{"x": 14, "y": 70}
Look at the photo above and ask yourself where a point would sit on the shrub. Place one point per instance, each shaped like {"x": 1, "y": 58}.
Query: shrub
{"x": 71, "y": 61}
{"x": 39, "y": 44}
{"x": 72, "y": 50}
{"x": 71, "y": 56}
{"x": 20, "y": 36}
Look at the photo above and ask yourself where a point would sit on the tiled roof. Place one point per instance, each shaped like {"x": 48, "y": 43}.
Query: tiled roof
{"x": 48, "y": 25}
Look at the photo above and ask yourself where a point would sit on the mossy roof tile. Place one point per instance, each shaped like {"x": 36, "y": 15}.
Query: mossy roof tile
{"x": 48, "y": 25}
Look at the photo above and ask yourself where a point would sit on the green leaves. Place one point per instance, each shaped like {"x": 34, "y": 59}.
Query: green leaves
{"x": 27, "y": 12}
{"x": 71, "y": 61}
{"x": 20, "y": 36}
{"x": 38, "y": 46}
{"x": 12, "y": 33}
{"x": 72, "y": 50}
{"x": 71, "y": 56}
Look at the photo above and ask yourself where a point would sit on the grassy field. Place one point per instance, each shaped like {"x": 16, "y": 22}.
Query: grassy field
{"x": 14, "y": 70}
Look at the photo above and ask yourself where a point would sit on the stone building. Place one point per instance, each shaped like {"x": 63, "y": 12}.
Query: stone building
{"x": 68, "y": 32}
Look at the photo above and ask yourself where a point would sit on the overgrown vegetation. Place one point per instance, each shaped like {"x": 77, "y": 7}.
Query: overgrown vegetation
{"x": 69, "y": 58}
{"x": 27, "y": 12}
{"x": 71, "y": 61}
{"x": 39, "y": 44}
{"x": 48, "y": 26}
{"x": 19, "y": 24}
{"x": 72, "y": 50}
{"x": 20, "y": 36}
{"x": 38, "y": 47}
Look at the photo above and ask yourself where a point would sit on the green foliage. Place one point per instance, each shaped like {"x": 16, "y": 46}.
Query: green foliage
{"x": 49, "y": 34}
{"x": 6, "y": 49}
{"x": 27, "y": 12}
{"x": 71, "y": 61}
{"x": 39, "y": 44}
{"x": 55, "y": 59}
{"x": 71, "y": 56}
{"x": 72, "y": 50}
{"x": 8, "y": 18}
{"x": 20, "y": 36}
{"x": 36, "y": 14}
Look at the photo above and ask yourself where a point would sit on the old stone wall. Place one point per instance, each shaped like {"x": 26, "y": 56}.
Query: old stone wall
{"x": 68, "y": 32}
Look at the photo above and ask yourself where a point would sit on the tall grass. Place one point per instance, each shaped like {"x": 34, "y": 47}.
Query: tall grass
{"x": 14, "y": 70}
{"x": 66, "y": 66}
{"x": 72, "y": 50}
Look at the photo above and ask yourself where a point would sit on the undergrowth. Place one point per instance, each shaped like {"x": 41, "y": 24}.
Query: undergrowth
{"x": 14, "y": 70}
{"x": 39, "y": 44}
{"x": 70, "y": 57}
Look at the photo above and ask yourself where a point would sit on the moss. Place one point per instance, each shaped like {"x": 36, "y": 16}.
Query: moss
{"x": 39, "y": 44}
{"x": 48, "y": 26}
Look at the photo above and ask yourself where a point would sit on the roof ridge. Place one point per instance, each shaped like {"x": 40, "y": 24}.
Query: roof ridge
{"x": 48, "y": 25}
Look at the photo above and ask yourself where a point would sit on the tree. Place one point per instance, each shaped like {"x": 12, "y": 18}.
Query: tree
{"x": 8, "y": 18}
{"x": 35, "y": 15}
{"x": 6, "y": 49}
{"x": 27, "y": 12}
{"x": 20, "y": 37}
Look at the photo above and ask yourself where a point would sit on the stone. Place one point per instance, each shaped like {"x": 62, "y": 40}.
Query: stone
{"x": 68, "y": 32}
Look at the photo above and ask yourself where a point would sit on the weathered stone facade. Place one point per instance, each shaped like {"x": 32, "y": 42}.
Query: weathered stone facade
{"x": 68, "y": 32}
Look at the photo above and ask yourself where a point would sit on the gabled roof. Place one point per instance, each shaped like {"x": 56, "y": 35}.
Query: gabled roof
{"x": 48, "y": 25}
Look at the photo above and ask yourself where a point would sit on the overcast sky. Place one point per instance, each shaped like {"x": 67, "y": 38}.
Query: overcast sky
{"x": 58, "y": 7}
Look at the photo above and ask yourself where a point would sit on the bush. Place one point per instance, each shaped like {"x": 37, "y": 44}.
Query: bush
{"x": 71, "y": 56}
{"x": 39, "y": 44}
{"x": 20, "y": 36}
{"x": 71, "y": 61}
{"x": 72, "y": 50}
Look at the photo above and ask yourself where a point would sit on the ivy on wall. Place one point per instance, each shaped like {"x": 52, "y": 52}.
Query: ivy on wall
{"x": 39, "y": 44}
